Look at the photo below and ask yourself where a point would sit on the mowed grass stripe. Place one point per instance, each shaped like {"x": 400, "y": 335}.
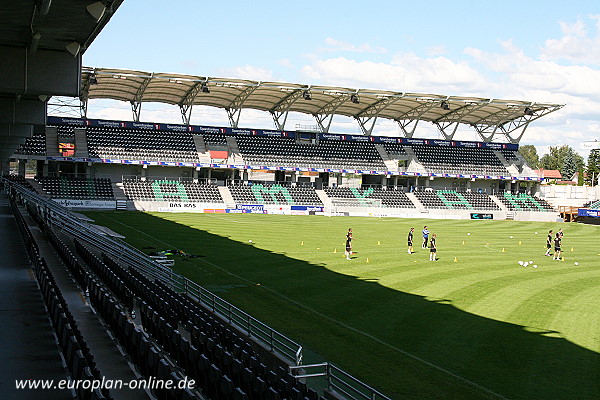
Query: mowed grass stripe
{"x": 426, "y": 309}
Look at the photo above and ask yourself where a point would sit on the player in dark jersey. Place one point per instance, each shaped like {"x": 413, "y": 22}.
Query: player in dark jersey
{"x": 410, "y": 241}
{"x": 549, "y": 240}
{"x": 557, "y": 244}
{"x": 349, "y": 238}
{"x": 432, "y": 248}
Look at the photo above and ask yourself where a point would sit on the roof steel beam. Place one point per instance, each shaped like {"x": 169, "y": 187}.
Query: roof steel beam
{"x": 282, "y": 109}
{"x": 413, "y": 117}
{"x": 370, "y": 114}
{"x": 136, "y": 102}
{"x": 235, "y": 108}
{"x": 516, "y": 125}
{"x": 455, "y": 117}
{"x": 328, "y": 111}
{"x": 187, "y": 100}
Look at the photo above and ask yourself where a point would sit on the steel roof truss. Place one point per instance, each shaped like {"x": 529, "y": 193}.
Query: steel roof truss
{"x": 235, "y": 108}
{"x": 187, "y": 101}
{"x": 136, "y": 103}
{"x": 413, "y": 117}
{"x": 369, "y": 115}
{"x": 328, "y": 111}
{"x": 282, "y": 109}
{"x": 455, "y": 117}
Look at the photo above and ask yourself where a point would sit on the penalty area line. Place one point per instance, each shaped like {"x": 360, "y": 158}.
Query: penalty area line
{"x": 340, "y": 323}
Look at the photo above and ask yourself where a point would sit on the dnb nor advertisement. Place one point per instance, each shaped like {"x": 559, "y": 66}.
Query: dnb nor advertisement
{"x": 98, "y": 204}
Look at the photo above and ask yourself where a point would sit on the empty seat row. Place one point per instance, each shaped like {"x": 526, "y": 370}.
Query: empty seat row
{"x": 76, "y": 353}
{"x": 76, "y": 188}
{"x": 258, "y": 193}
{"x": 370, "y": 197}
{"x": 524, "y": 202}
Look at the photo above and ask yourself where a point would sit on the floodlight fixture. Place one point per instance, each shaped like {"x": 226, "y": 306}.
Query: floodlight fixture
{"x": 204, "y": 87}
{"x": 73, "y": 48}
{"x": 528, "y": 111}
{"x": 93, "y": 80}
{"x": 444, "y": 105}
{"x": 354, "y": 98}
{"x": 306, "y": 95}
{"x": 96, "y": 10}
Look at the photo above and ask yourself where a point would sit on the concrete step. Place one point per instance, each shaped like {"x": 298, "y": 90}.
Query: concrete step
{"x": 227, "y": 197}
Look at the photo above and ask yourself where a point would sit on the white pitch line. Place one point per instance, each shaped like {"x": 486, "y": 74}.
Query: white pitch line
{"x": 391, "y": 346}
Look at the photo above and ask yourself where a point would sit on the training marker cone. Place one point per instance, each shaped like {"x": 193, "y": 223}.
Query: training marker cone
{"x": 378, "y": 243}
{"x": 302, "y": 243}
{"x": 571, "y": 249}
{"x": 335, "y": 250}
{"x": 562, "y": 259}
{"x": 504, "y": 251}
{"x": 463, "y": 242}
{"x": 455, "y": 259}
{"x": 367, "y": 259}
{"x": 519, "y": 242}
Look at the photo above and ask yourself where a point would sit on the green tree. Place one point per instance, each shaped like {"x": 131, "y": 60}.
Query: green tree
{"x": 564, "y": 159}
{"x": 593, "y": 167}
{"x": 529, "y": 152}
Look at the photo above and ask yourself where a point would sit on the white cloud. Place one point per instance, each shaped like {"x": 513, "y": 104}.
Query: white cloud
{"x": 575, "y": 45}
{"x": 338, "y": 45}
{"x": 249, "y": 72}
{"x": 406, "y": 72}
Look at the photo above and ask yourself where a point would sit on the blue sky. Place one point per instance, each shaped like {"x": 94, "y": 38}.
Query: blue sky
{"x": 545, "y": 51}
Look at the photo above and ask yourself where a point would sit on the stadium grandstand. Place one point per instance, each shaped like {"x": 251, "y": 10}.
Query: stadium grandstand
{"x": 90, "y": 306}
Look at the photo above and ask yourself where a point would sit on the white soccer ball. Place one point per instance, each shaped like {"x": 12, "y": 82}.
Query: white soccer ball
{"x": 535, "y": 266}
{"x": 525, "y": 264}
{"x": 250, "y": 241}
{"x": 536, "y": 233}
{"x": 576, "y": 263}
{"x": 521, "y": 263}
{"x": 530, "y": 262}
{"x": 510, "y": 237}
{"x": 469, "y": 234}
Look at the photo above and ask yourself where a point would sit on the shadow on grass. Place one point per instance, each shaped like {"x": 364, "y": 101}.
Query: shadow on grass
{"x": 404, "y": 344}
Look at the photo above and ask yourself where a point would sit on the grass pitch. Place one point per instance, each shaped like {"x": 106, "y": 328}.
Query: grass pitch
{"x": 474, "y": 324}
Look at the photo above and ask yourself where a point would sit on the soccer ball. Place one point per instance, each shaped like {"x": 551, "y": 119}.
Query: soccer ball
{"x": 521, "y": 262}
{"x": 576, "y": 263}
{"x": 536, "y": 233}
{"x": 535, "y": 266}
{"x": 469, "y": 234}
{"x": 510, "y": 237}
{"x": 530, "y": 262}
{"x": 250, "y": 241}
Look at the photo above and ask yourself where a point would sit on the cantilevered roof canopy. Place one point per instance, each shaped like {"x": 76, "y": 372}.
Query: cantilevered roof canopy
{"x": 489, "y": 117}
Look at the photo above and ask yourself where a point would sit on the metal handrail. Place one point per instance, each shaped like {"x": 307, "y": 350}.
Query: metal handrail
{"x": 337, "y": 379}
{"x": 59, "y": 216}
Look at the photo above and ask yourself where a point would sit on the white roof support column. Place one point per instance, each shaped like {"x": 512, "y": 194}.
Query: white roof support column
{"x": 187, "y": 101}
{"x": 235, "y": 108}
{"x": 281, "y": 110}
{"x": 413, "y": 117}
{"x": 454, "y": 118}
{"x": 369, "y": 115}
{"x": 136, "y": 102}
{"x": 328, "y": 111}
